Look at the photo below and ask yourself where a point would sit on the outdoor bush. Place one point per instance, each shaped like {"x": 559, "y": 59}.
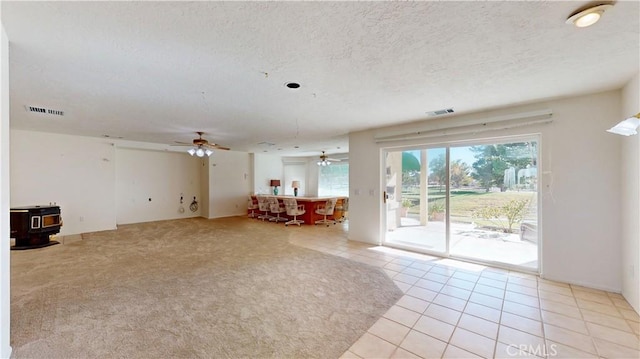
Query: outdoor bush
{"x": 514, "y": 212}
{"x": 436, "y": 207}
{"x": 406, "y": 203}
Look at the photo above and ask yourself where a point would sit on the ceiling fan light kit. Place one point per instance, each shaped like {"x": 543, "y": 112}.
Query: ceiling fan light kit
{"x": 627, "y": 127}
{"x": 325, "y": 160}
{"x": 201, "y": 147}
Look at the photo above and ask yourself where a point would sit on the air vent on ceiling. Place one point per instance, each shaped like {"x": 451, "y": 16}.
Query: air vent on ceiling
{"x": 445, "y": 111}
{"x": 44, "y": 111}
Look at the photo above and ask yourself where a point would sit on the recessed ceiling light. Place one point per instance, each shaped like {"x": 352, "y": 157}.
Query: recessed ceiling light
{"x": 292, "y": 85}
{"x": 588, "y": 16}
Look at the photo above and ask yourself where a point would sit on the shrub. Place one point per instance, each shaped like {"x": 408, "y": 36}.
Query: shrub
{"x": 436, "y": 207}
{"x": 513, "y": 211}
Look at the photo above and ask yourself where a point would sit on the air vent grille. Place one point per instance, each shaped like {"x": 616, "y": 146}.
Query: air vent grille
{"x": 445, "y": 111}
{"x": 44, "y": 111}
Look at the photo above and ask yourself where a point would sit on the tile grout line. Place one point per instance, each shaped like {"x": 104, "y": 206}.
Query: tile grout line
{"x": 461, "y": 314}
{"x": 544, "y": 333}
{"x": 593, "y": 342}
{"x": 495, "y": 346}
{"x": 539, "y": 301}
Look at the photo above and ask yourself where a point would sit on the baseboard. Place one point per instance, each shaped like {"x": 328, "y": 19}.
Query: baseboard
{"x": 70, "y": 239}
{"x": 362, "y": 240}
{"x": 7, "y": 353}
{"x": 584, "y": 284}
{"x": 241, "y": 214}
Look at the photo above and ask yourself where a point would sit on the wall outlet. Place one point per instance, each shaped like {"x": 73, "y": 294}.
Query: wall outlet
{"x": 632, "y": 271}
{"x": 81, "y": 219}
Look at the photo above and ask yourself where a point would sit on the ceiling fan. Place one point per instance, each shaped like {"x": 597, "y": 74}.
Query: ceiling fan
{"x": 200, "y": 146}
{"x": 325, "y": 160}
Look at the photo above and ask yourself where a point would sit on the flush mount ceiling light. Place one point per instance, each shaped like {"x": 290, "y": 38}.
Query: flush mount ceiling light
{"x": 588, "y": 16}
{"x": 627, "y": 127}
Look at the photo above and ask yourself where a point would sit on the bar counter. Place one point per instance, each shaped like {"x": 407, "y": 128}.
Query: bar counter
{"x": 310, "y": 203}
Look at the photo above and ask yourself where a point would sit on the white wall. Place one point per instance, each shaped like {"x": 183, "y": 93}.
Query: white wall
{"x": 630, "y": 197}
{"x": 204, "y": 187}
{"x": 580, "y": 209}
{"x": 77, "y": 173}
{"x": 160, "y": 176}
{"x": 313, "y": 175}
{"x": 5, "y": 295}
{"x": 365, "y": 204}
{"x": 295, "y": 169}
{"x": 266, "y": 168}
{"x": 229, "y": 183}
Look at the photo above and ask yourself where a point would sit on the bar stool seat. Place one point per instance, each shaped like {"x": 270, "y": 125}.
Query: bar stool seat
{"x": 326, "y": 209}
{"x": 295, "y": 210}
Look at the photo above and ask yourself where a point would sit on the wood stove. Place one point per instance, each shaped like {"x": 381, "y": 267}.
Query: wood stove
{"x": 31, "y": 226}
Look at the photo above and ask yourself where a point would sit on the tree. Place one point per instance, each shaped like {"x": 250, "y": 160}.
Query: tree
{"x": 488, "y": 165}
{"x": 493, "y": 160}
{"x": 438, "y": 170}
{"x": 459, "y": 173}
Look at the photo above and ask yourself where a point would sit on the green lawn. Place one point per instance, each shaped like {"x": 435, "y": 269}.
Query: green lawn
{"x": 464, "y": 202}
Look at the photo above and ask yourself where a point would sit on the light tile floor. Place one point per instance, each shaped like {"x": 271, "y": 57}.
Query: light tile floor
{"x": 453, "y": 309}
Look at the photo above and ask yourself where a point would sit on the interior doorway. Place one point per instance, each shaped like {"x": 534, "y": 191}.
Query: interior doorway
{"x": 475, "y": 201}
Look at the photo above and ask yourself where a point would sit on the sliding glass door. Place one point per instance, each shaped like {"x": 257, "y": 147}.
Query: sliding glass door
{"x": 477, "y": 202}
{"x": 416, "y": 199}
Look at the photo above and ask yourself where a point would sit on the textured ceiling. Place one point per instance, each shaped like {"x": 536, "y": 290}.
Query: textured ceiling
{"x": 159, "y": 71}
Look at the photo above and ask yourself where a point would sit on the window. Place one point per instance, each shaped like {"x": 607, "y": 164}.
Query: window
{"x": 333, "y": 180}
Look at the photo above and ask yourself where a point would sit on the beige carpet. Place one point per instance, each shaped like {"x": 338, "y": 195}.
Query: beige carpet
{"x": 191, "y": 288}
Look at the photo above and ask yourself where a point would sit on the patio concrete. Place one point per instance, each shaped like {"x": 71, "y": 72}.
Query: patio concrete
{"x": 467, "y": 241}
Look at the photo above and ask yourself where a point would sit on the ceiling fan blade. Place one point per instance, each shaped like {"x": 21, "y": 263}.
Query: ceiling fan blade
{"x": 333, "y": 159}
{"x": 216, "y": 147}
{"x": 201, "y": 143}
{"x": 180, "y": 143}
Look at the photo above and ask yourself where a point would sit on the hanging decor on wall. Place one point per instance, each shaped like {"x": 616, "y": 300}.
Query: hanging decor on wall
{"x": 194, "y": 205}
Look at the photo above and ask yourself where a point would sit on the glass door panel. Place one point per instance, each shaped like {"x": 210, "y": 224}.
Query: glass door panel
{"x": 493, "y": 203}
{"x": 416, "y": 187}
{"x": 476, "y": 202}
